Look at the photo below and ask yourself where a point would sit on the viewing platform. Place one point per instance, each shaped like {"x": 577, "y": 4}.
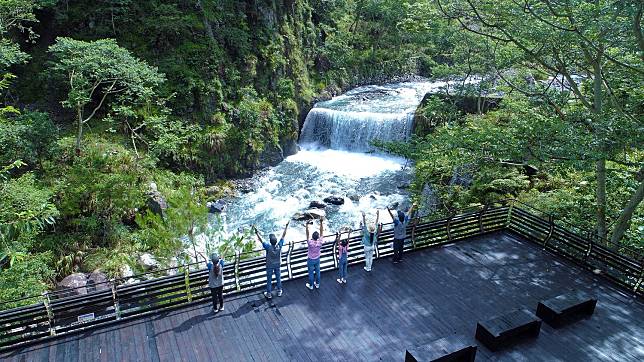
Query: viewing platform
{"x": 436, "y": 292}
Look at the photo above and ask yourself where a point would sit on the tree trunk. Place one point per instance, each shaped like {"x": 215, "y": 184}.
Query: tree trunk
{"x": 601, "y": 198}
{"x": 79, "y": 134}
{"x": 625, "y": 217}
{"x": 601, "y": 162}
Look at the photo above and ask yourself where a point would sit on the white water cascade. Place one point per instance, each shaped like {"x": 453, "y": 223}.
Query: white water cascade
{"x": 353, "y": 131}
{"x": 336, "y": 158}
{"x": 355, "y": 119}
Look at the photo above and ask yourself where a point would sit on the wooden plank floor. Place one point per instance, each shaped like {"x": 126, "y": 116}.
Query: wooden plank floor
{"x": 432, "y": 294}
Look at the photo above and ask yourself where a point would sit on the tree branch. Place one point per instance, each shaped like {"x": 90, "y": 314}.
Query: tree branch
{"x": 100, "y": 104}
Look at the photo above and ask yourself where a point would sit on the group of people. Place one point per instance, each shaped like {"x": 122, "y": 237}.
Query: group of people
{"x": 273, "y": 248}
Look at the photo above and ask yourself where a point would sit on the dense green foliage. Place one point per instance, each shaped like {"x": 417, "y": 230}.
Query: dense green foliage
{"x": 572, "y": 77}
{"x": 101, "y": 101}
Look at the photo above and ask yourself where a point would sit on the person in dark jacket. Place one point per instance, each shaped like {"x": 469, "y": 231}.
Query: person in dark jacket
{"x": 273, "y": 261}
{"x": 216, "y": 281}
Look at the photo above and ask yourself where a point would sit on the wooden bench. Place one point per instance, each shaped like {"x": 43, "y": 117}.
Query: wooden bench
{"x": 566, "y": 308}
{"x": 507, "y": 329}
{"x": 453, "y": 349}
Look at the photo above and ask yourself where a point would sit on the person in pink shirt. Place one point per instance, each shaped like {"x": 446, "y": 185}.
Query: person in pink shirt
{"x": 313, "y": 257}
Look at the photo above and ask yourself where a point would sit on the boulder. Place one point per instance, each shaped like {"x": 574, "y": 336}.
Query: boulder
{"x": 219, "y": 191}
{"x": 353, "y": 197}
{"x": 309, "y": 215}
{"x": 271, "y": 156}
{"x": 216, "y": 207}
{"x": 394, "y": 205}
{"x": 173, "y": 266}
{"x": 373, "y": 197}
{"x": 126, "y": 271}
{"x": 98, "y": 280}
{"x": 317, "y": 205}
{"x": 156, "y": 202}
{"x": 74, "y": 284}
{"x": 147, "y": 261}
{"x": 334, "y": 200}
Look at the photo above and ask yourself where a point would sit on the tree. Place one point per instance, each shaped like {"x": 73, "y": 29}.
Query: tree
{"x": 592, "y": 52}
{"x": 100, "y": 71}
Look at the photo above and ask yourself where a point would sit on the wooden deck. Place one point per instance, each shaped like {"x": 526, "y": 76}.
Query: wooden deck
{"x": 432, "y": 294}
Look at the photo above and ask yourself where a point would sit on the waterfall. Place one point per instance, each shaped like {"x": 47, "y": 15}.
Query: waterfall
{"x": 352, "y": 121}
{"x": 354, "y": 131}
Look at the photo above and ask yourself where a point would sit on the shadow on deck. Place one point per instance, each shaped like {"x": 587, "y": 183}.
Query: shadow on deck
{"x": 434, "y": 293}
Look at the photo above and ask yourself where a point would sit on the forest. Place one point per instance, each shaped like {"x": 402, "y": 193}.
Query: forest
{"x": 108, "y": 104}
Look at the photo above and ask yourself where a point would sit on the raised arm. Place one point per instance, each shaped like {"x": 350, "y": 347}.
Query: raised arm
{"x": 285, "y": 228}
{"x": 308, "y": 235}
{"x": 411, "y": 209}
{"x": 377, "y": 217}
{"x": 349, "y": 237}
{"x": 364, "y": 220}
{"x": 259, "y": 237}
{"x": 321, "y": 226}
{"x": 390, "y": 214}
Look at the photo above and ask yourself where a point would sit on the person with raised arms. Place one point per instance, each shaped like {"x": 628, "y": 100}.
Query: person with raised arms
{"x": 273, "y": 260}
{"x": 343, "y": 254}
{"x": 400, "y": 231}
{"x": 314, "y": 243}
{"x": 370, "y": 233}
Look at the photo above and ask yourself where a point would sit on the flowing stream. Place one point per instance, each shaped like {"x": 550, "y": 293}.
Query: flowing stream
{"x": 336, "y": 158}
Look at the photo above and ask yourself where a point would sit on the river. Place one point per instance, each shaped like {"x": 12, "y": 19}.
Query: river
{"x": 336, "y": 158}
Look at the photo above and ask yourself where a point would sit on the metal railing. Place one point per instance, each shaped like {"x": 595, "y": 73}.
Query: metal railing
{"x": 56, "y": 314}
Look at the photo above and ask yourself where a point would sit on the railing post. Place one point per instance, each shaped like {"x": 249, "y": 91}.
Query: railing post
{"x": 639, "y": 281}
{"x": 413, "y": 233}
{"x": 551, "y": 230}
{"x": 449, "y": 227}
{"x": 117, "y": 307}
{"x": 376, "y": 249}
{"x": 237, "y": 284}
{"x": 335, "y": 254}
{"x": 50, "y": 314}
{"x": 590, "y": 247}
{"x": 186, "y": 273}
{"x": 510, "y": 208}
{"x": 289, "y": 270}
{"x": 483, "y": 210}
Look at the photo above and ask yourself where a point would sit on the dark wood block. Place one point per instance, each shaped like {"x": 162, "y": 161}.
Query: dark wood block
{"x": 566, "y": 308}
{"x": 507, "y": 329}
{"x": 449, "y": 349}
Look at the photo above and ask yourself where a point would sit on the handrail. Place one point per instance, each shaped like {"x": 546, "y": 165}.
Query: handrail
{"x": 67, "y": 292}
{"x": 602, "y": 239}
{"x": 56, "y": 317}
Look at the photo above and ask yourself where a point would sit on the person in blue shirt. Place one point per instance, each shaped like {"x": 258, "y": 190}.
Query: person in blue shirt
{"x": 216, "y": 281}
{"x": 400, "y": 231}
{"x": 273, "y": 261}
